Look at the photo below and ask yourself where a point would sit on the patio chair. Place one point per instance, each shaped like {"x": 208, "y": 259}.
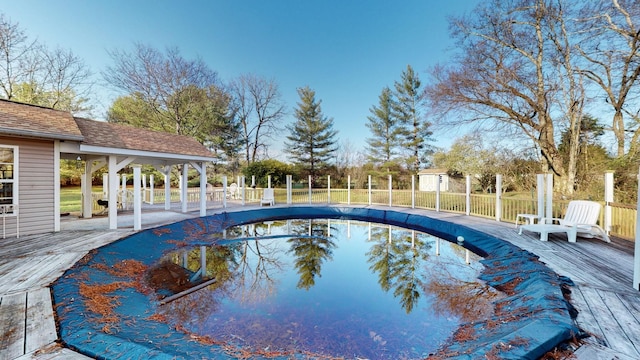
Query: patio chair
{"x": 580, "y": 220}
{"x": 267, "y": 197}
{"x": 232, "y": 191}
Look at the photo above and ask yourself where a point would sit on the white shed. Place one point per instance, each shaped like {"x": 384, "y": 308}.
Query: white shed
{"x": 428, "y": 178}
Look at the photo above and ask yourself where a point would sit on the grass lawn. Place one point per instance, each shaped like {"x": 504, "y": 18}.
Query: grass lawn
{"x": 70, "y": 199}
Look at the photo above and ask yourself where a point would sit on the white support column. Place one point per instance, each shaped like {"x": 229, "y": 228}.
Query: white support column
{"x": 369, "y": 189}
{"x": 185, "y": 184}
{"x": 243, "y": 189}
{"x": 124, "y": 191}
{"x": 113, "y": 193}
{"x": 166, "y": 171}
{"x": 328, "y": 189}
{"x": 137, "y": 199}
{"x": 438, "y": 182}
{"x": 269, "y": 181}
{"x": 549, "y": 211}
{"x": 289, "y": 189}
{"x": 180, "y": 186}
{"x": 203, "y": 189}
{"x": 608, "y": 199}
{"x": 151, "y": 189}
{"x": 144, "y": 187}
{"x": 390, "y": 190}
{"x": 224, "y": 191}
{"x": 310, "y": 191}
{"x": 540, "y": 194}
{"x": 87, "y": 200}
{"x": 498, "y": 197}
{"x": 413, "y": 191}
{"x": 636, "y": 256}
{"x": 105, "y": 185}
{"x": 468, "y": 196}
{"x": 349, "y": 190}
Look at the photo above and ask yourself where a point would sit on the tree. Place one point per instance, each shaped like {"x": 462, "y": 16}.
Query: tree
{"x": 34, "y": 74}
{"x": 611, "y": 45}
{"x": 413, "y": 130}
{"x": 176, "y": 91}
{"x": 384, "y": 143}
{"x": 259, "y": 108}
{"x": 262, "y": 169}
{"x": 311, "y": 142}
{"x": 514, "y": 61}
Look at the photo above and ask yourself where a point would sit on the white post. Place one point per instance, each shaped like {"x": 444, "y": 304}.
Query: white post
{"x": 328, "y": 189}
{"x": 87, "y": 199}
{"x": 468, "y": 196}
{"x": 498, "y": 197}
{"x": 438, "y": 192}
{"x": 203, "y": 188}
{"x": 151, "y": 189}
{"x": 310, "y": 200}
{"x": 105, "y": 185}
{"x": 549, "y": 212}
{"x": 269, "y": 181}
{"x": 540, "y": 189}
{"x": 413, "y": 191}
{"x": 636, "y": 257}
{"x": 124, "y": 191}
{"x": 113, "y": 193}
{"x": 137, "y": 199}
{"x": 167, "y": 187}
{"x": 224, "y": 191}
{"x": 180, "y": 186}
{"x": 608, "y": 199}
{"x": 348, "y": 189}
{"x": 253, "y": 187}
{"x": 185, "y": 185}
{"x": 369, "y": 189}
{"x": 289, "y": 188}
{"x": 390, "y": 190}
{"x": 243, "y": 187}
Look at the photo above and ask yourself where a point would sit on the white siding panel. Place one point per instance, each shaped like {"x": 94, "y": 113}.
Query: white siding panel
{"x": 35, "y": 186}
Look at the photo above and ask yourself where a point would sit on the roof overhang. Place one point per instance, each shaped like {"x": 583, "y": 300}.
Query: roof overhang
{"x": 143, "y": 157}
{"x": 39, "y": 135}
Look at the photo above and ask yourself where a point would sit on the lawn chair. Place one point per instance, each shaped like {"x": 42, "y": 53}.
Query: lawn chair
{"x": 580, "y": 220}
{"x": 267, "y": 197}
{"x": 232, "y": 191}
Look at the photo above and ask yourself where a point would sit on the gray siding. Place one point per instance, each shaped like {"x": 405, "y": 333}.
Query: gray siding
{"x": 35, "y": 186}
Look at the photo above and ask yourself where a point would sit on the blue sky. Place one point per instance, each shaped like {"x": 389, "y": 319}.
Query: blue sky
{"x": 346, "y": 50}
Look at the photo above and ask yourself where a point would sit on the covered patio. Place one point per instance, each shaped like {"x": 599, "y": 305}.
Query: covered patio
{"x": 117, "y": 146}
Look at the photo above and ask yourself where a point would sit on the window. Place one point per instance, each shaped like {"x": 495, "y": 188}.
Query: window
{"x": 8, "y": 187}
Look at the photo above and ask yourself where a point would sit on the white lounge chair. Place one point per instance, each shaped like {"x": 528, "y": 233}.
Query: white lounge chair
{"x": 580, "y": 219}
{"x": 267, "y": 197}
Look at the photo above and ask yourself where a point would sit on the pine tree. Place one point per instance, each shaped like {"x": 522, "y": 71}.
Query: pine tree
{"x": 415, "y": 131}
{"x": 312, "y": 140}
{"x": 384, "y": 143}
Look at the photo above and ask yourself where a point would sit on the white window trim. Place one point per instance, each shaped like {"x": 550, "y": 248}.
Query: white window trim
{"x": 12, "y": 209}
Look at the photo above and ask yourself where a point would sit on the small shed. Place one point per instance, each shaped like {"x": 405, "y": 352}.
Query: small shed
{"x": 429, "y": 178}
{"x": 33, "y": 139}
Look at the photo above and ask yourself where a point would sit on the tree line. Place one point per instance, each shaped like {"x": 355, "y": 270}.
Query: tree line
{"x": 544, "y": 86}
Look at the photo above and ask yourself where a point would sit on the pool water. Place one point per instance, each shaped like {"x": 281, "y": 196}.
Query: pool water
{"x": 329, "y": 288}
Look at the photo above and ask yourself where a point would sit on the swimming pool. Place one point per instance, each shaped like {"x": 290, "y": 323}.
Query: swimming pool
{"x": 104, "y": 312}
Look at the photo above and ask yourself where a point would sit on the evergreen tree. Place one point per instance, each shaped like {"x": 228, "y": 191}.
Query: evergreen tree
{"x": 384, "y": 143}
{"x": 414, "y": 131}
{"x": 312, "y": 140}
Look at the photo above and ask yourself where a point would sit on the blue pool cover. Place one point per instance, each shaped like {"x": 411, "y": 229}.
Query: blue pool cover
{"x": 531, "y": 319}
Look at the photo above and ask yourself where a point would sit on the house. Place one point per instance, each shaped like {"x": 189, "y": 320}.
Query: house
{"x": 34, "y": 139}
{"x": 429, "y": 178}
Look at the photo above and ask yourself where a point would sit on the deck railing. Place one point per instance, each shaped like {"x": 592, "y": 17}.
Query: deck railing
{"x": 622, "y": 222}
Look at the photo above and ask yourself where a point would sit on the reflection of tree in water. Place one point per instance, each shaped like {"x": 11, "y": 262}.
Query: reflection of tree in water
{"x": 398, "y": 256}
{"x": 469, "y": 300}
{"x": 310, "y": 251}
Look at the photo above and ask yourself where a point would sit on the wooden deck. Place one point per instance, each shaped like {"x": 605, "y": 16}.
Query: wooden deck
{"x": 609, "y": 306}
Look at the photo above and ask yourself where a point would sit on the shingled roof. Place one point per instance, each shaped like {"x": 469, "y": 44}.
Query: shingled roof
{"x": 109, "y": 135}
{"x": 25, "y": 120}
{"x": 39, "y": 122}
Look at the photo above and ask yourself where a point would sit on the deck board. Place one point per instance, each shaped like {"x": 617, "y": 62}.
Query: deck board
{"x": 609, "y": 308}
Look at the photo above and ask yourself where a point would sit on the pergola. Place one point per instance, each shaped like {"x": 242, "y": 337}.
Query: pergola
{"x": 117, "y": 146}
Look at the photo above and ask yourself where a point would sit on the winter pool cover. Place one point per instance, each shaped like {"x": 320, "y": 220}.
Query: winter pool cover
{"x": 103, "y": 312}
